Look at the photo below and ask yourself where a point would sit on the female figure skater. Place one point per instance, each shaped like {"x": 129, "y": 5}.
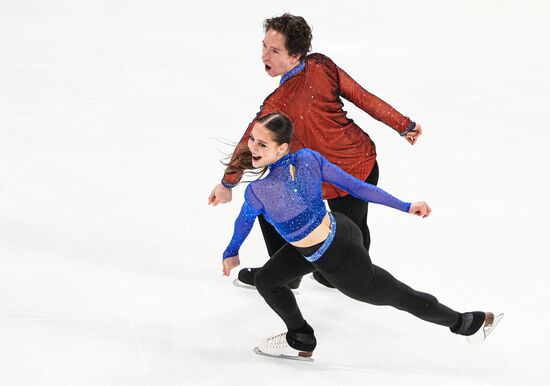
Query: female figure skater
{"x": 290, "y": 199}
{"x": 309, "y": 93}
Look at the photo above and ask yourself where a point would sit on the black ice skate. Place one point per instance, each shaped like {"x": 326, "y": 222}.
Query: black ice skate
{"x": 476, "y": 325}
{"x": 488, "y": 326}
{"x": 246, "y": 280}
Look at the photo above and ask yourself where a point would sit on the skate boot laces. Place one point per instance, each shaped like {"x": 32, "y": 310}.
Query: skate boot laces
{"x": 277, "y": 342}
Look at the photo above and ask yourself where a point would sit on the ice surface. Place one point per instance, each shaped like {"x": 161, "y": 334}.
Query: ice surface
{"x": 111, "y": 120}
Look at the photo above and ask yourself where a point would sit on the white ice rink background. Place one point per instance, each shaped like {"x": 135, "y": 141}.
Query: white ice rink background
{"x": 112, "y": 121}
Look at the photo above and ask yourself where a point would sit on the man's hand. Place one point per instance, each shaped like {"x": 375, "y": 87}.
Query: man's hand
{"x": 220, "y": 195}
{"x": 412, "y": 136}
{"x": 230, "y": 263}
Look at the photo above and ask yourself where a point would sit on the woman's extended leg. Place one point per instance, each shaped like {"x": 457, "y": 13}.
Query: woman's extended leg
{"x": 347, "y": 265}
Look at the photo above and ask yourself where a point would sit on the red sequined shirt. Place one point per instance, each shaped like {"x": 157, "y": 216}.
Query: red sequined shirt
{"x": 311, "y": 99}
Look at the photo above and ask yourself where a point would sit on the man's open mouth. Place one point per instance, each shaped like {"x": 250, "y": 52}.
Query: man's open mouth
{"x": 267, "y": 67}
{"x": 256, "y": 158}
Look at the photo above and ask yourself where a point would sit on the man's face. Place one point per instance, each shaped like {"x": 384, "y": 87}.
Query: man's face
{"x": 275, "y": 56}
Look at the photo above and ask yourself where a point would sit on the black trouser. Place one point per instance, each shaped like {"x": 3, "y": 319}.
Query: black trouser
{"x": 354, "y": 208}
{"x": 347, "y": 265}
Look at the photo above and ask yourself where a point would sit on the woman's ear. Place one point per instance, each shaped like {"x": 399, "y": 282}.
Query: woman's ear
{"x": 283, "y": 148}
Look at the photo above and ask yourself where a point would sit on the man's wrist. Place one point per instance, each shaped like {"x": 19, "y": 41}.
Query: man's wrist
{"x": 227, "y": 184}
{"x": 411, "y": 127}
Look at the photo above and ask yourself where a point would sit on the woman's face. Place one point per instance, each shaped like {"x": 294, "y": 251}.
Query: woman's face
{"x": 275, "y": 56}
{"x": 264, "y": 149}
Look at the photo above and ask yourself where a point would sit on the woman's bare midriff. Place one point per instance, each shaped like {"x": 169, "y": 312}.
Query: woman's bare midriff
{"x": 318, "y": 235}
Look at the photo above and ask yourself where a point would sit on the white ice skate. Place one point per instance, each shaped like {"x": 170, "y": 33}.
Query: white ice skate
{"x": 484, "y": 331}
{"x": 240, "y": 284}
{"x": 277, "y": 346}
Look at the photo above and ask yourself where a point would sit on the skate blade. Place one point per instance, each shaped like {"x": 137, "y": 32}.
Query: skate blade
{"x": 240, "y": 284}
{"x": 484, "y": 331}
{"x": 304, "y": 358}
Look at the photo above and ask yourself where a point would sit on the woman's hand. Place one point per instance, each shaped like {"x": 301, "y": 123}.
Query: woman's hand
{"x": 230, "y": 263}
{"x": 413, "y": 136}
{"x": 420, "y": 208}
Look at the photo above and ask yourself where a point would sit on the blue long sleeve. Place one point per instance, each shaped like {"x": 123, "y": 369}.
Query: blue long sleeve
{"x": 357, "y": 188}
{"x": 243, "y": 224}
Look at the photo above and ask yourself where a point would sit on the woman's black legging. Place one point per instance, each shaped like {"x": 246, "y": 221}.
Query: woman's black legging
{"x": 347, "y": 265}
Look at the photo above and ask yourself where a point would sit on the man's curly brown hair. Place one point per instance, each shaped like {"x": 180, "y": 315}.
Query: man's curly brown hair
{"x": 296, "y": 30}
